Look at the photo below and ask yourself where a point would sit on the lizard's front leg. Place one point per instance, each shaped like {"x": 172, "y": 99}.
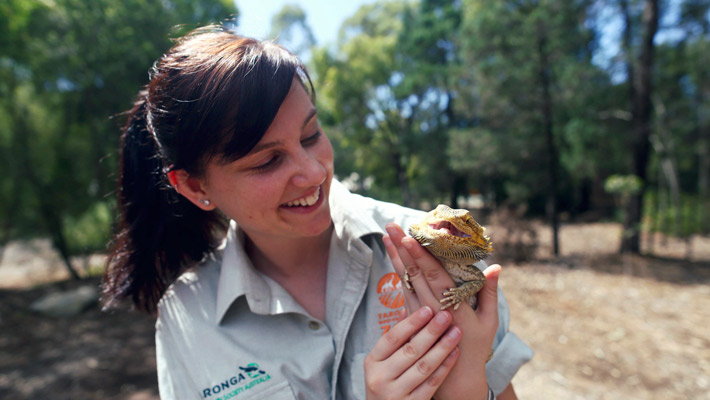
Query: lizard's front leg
{"x": 466, "y": 291}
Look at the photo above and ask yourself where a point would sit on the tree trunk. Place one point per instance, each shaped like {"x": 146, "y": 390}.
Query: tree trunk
{"x": 703, "y": 165}
{"x": 50, "y": 214}
{"x": 457, "y": 180}
{"x": 56, "y": 230}
{"x": 641, "y": 123}
{"x": 458, "y": 188}
{"x": 399, "y": 159}
{"x": 548, "y": 128}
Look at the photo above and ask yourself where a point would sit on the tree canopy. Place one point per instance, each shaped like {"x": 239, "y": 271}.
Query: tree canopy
{"x": 529, "y": 104}
{"x": 68, "y": 68}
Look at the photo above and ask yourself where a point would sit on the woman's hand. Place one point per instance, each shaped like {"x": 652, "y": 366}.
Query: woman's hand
{"x": 413, "y": 358}
{"x": 430, "y": 280}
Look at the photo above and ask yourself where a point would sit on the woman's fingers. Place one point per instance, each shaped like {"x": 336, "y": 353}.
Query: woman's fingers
{"x": 420, "y": 350}
{"x": 420, "y": 369}
{"x": 426, "y": 274}
{"x": 413, "y": 267}
{"x": 428, "y": 269}
{"x": 411, "y": 302}
{"x": 400, "y": 366}
{"x": 400, "y": 333}
{"x": 427, "y": 389}
{"x": 430, "y": 280}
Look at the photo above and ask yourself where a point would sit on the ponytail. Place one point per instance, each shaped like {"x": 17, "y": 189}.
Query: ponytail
{"x": 160, "y": 232}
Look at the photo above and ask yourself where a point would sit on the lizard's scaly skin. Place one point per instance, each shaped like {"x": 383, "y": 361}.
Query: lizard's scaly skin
{"x": 457, "y": 241}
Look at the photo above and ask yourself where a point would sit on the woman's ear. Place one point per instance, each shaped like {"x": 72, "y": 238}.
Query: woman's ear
{"x": 190, "y": 188}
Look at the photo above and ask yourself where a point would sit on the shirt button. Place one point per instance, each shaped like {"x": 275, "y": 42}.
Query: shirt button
{"x": 314, "y": 325}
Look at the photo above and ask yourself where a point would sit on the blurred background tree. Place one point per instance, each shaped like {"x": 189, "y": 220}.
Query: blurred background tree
{"x": 528, "y": 105}
{"x": 68, "y": 67}
{"x": 290, "y": 29}
{"x": 520, "y": 101}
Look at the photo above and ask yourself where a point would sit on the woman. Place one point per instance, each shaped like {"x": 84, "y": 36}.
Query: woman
{"x": 298, "y": 295}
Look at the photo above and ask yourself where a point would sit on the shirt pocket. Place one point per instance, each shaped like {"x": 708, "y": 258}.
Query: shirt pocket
{"x": 279, "y": 391}
{"x": 357, "y": 369}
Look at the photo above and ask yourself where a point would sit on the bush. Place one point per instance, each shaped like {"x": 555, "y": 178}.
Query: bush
{"x": 90, "y": 232}
{"x": 688, "y": 218}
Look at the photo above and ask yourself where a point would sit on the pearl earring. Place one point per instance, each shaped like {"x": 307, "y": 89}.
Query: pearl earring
{"x": 205, "y": 202}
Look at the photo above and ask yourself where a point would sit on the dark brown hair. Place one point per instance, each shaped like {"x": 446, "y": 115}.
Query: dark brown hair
{"x": 212, "y": 96}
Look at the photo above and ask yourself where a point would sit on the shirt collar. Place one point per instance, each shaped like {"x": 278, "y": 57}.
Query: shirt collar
{"x": 238, "y": 277}
{"x": 352, "y": 214}
{"x": 352, "y": 219}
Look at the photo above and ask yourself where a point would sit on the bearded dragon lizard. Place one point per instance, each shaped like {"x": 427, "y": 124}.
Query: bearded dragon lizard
{"x": 457, "y": 241}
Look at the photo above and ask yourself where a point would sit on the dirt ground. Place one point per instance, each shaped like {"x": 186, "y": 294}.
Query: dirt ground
{"x": 603, "y": 326}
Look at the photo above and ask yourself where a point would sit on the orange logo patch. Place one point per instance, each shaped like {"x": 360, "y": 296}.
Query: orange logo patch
{"x": 389, "y": 291}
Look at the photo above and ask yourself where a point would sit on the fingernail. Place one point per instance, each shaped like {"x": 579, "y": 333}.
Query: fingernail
{"x": 453, "y": 353}
{"x": 443, "y": 317}
{"x": 407, "y": 244}
{"x": 454, "y": 333}
{"x": 425, "y": 312}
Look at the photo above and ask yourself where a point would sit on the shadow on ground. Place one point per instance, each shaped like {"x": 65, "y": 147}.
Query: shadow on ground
{"x": 94, "y": 355}
{"x": 603, "y": 326}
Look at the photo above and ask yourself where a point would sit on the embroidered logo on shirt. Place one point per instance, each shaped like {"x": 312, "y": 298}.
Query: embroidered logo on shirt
{"x": 250, "y": 376}
{"x": 389, "y": 292}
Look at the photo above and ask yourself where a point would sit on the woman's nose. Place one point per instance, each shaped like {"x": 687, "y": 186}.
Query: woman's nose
{"x": 309, "y": 171}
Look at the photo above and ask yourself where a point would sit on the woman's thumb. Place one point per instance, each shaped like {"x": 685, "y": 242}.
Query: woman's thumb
{"x": 488, "y": 296}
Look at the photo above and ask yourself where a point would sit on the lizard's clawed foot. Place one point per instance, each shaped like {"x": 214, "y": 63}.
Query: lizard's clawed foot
{"x": 453, "y": 297}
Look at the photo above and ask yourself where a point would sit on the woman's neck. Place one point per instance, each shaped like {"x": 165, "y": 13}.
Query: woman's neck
{"x": 288, "y": 256}
{"x": 299, "y": 265}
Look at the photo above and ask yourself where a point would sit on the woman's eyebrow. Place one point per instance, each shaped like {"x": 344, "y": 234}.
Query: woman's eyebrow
{"x": 260, "y": 147}
{"x": 310, "y": 116}
{"x": 263, "y": 146}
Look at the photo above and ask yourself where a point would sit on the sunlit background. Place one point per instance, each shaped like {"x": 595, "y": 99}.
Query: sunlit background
{"x": 577, "y": 132}
{"x": 322, "y": 16}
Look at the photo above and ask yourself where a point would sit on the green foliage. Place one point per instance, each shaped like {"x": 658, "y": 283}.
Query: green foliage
{"x": 689, "y": 217}
{"x": 623, "y": 185}
{"x": 427, "y": 99}
{"x": 387, "y": 90}
{"x": 533, "y": 86}
{"x": 434, "y": 97}
{"x": 67, "y": 67}
{"x": 90, "y": 232}
{"x": 356, "y": 99}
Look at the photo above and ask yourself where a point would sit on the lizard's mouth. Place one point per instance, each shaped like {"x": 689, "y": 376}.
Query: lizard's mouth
{"x": 448, "y": 228}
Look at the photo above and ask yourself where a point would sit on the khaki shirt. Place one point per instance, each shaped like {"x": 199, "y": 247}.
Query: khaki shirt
{"x": 225, "y": 331}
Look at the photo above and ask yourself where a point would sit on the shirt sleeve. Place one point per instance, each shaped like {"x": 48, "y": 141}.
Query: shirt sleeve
{"x": 509, "y": 352}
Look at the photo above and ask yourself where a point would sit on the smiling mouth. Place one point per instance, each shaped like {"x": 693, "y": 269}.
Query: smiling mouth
{"x": 306, "y": 201}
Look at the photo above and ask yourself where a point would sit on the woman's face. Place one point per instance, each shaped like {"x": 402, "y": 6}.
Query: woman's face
{"x": 279, "y": 189}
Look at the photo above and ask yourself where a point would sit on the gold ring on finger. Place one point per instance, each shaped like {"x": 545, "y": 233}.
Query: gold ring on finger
{"x": 408, "y": 282}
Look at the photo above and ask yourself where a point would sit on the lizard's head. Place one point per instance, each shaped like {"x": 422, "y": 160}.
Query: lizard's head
{"x": 452, "y": 234}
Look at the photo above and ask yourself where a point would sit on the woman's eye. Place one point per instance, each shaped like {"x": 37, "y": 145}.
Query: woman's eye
{"x": 272, "y": 162}
{"x": 311, "y": 139}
